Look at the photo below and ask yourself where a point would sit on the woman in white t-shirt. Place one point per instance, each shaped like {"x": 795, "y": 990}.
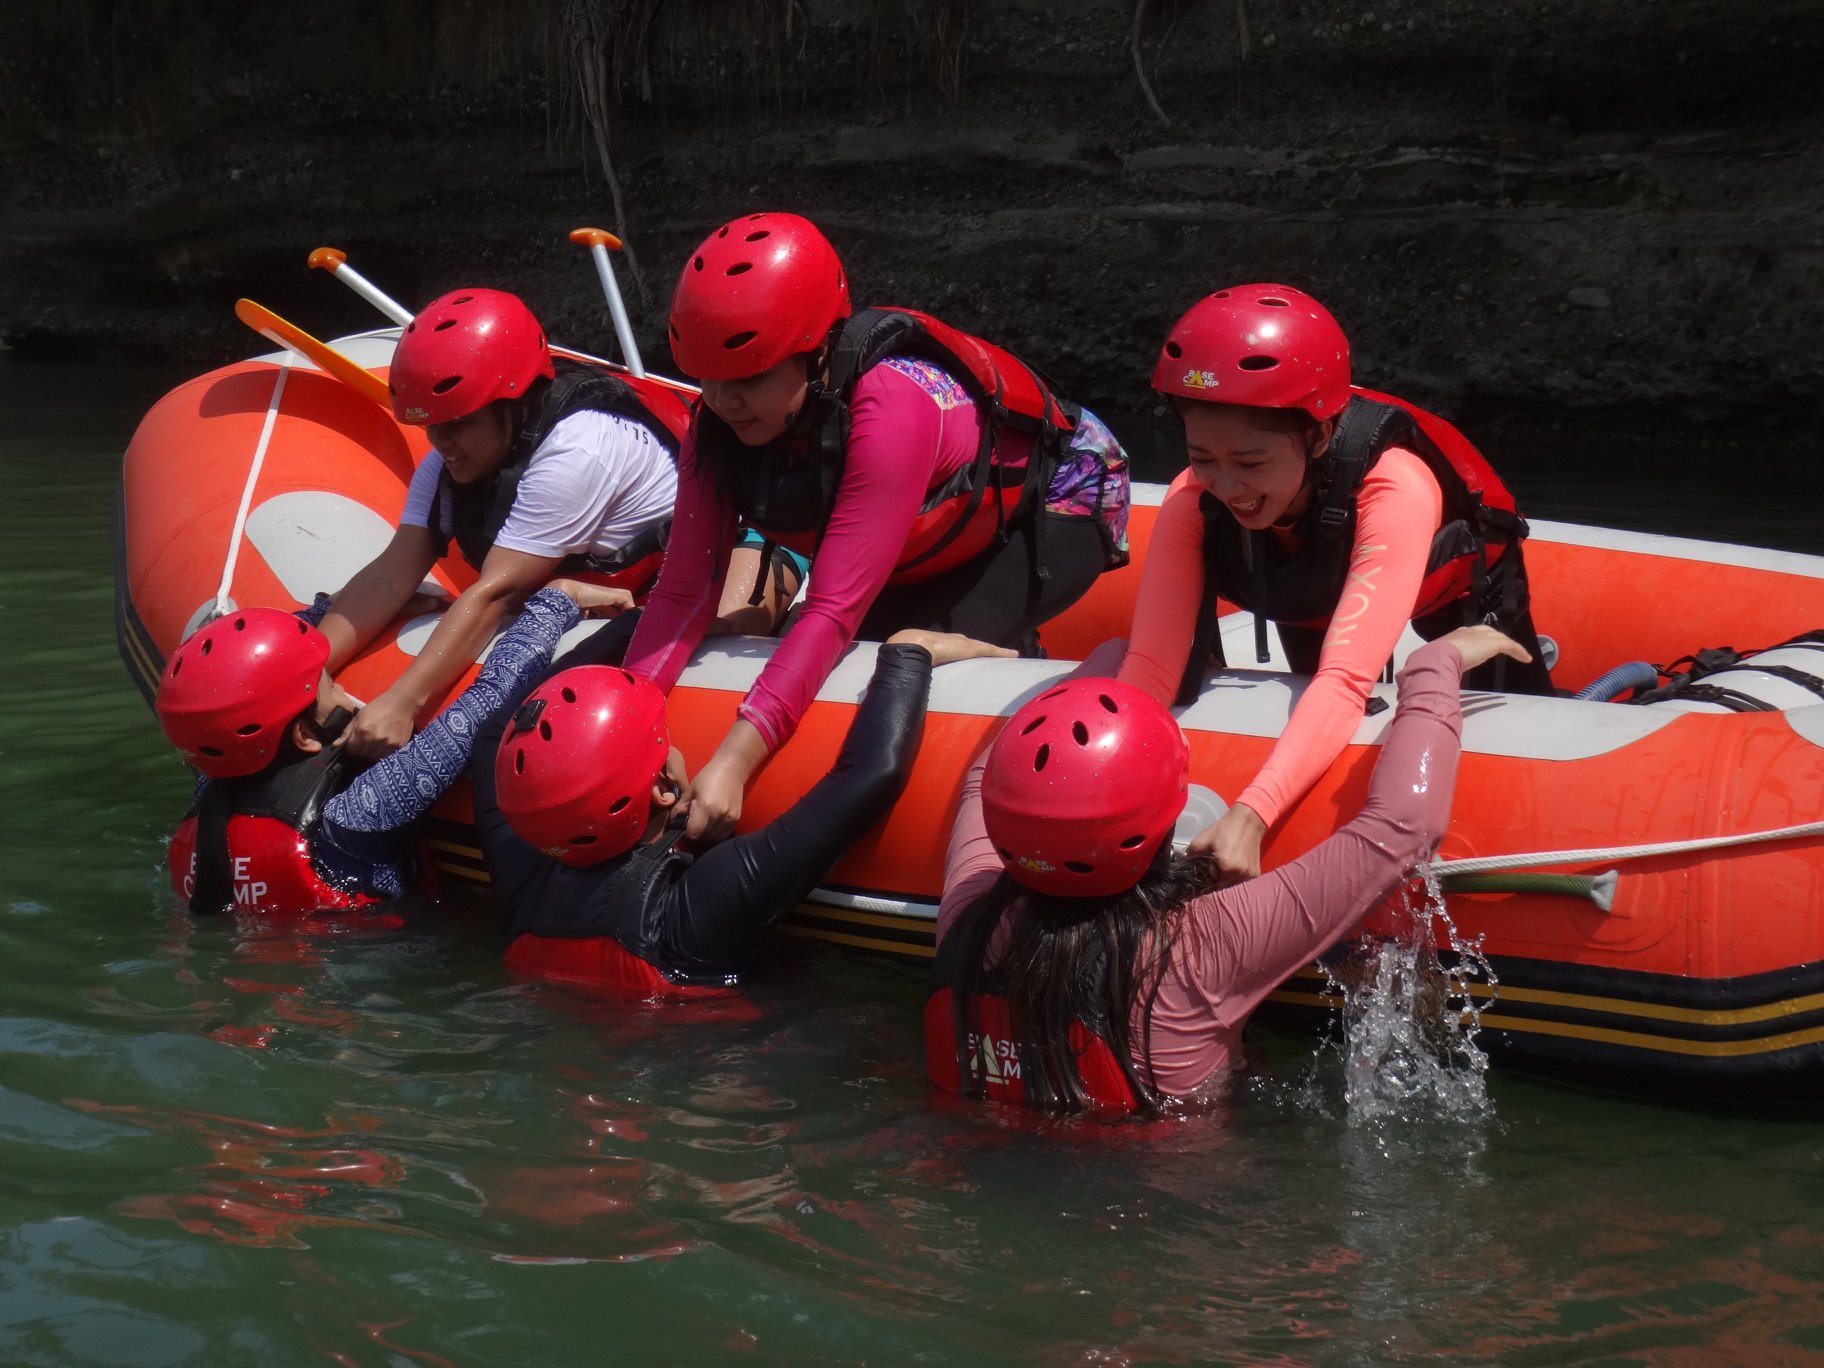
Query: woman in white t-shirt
{"x": 535, "y": 466}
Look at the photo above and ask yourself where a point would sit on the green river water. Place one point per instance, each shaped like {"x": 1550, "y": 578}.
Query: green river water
{"x": 226, "y": 1146}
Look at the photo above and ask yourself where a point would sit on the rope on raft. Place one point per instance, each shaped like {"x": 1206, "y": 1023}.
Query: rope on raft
{"x": 1534, "y": 859}
{"x": 223, "y": 604}
{"x": 1454, "y": 876}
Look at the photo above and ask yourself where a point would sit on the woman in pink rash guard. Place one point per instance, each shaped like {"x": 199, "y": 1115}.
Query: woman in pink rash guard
{"x": 1081, "y": 964}
{"x": 936, "y": 480}
{"x": 1338, "y": 514}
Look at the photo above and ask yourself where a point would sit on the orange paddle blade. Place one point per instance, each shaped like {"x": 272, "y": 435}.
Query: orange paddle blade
{"x": 320, "y": 354}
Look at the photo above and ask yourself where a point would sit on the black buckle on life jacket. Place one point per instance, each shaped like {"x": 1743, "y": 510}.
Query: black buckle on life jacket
{"x": 1332, "y": 519}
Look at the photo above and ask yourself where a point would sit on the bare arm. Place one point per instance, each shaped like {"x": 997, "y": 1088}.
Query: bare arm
{"x": 506, "y": 579}
{"x": 377, "y": 592}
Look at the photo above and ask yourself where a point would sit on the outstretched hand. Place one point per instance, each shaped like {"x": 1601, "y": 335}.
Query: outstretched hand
{"x": 593, "y": 600}
{"x": 1479, "y": 645}
{"x": 713, "y": 802}
{"x": 946, "y": 648}
{"x": 1233, "y": 842}
{"x": 379, "y": 729}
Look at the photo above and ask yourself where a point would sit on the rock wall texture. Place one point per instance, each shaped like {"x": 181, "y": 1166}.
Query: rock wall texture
{"x": 1508, "y": 201}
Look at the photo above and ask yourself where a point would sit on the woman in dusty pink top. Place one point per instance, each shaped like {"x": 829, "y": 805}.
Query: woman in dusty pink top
{"x": 936, "y": 480}
{"x": 1339, "y": 514}
{"x": 1081, "y": 964}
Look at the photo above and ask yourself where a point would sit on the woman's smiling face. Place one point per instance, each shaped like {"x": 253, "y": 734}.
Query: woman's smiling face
{"x": 1258, "y": 474}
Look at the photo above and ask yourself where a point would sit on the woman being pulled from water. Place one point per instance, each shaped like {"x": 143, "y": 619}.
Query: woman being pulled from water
{"x": 1081, "y": 963}
{"x": 939, "y": 483}
{"x": 1338, "y": 514}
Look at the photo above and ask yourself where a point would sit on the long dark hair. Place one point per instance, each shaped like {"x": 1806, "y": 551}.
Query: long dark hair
{"x": 1066, "y": 960}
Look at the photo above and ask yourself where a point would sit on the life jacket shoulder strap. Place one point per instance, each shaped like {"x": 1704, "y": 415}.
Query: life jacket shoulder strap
{"x": 293, "y": 794}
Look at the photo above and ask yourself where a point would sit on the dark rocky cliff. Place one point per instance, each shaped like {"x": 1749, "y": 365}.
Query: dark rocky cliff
{"x": 1503, "y": 200}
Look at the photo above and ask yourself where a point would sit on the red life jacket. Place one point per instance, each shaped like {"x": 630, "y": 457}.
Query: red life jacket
{"x": 989, "y": 1063}
{"x": 623, "y": 906}
{"x": 599, "y": 962}
{"x": 788, "y": 493}
{"x": 982, "y": 1057}
{"x": 1302, "y": 586}
{"x": 479, "y": 510}
{"x": 262, "y": 827}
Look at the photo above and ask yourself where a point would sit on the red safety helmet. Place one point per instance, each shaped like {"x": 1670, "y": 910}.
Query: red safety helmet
{"x": 1265, "y": 346}
{"x": 575, "y": 769}
{"x": 231, "y": 689}
{"x": 463, "y": 351}
{"x": 759, "y": 289}
{"x": 1082, "y": 785}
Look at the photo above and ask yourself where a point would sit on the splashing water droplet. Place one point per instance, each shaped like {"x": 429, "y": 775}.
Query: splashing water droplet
{"x": 1412, "y": 1006}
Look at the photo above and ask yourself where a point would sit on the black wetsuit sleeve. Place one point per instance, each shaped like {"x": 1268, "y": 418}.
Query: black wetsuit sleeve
{"x": 726, "y": 900}
{"x": 606, "y": 645}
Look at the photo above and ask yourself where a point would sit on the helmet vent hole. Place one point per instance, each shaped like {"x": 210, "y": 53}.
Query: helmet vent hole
{"x": 1220, "y": 294}
{"x": 463, "y": 299}
{"x": 1038, "y": 761}
{"x": 582, "y": 840}
{"x": 251, "y": 729}
{"x": 544, "y": 730}
{"x": 739, "y": 340}
{"x": 1258, "y": 363}
{"x": 1052, "y": 693}
{"x": 210, "y": 750}
{"x": 1107, "y": 703}
{"x": 1078, "y": 867}
{"x": 567, "y": 693}
{"x": 1273, "y": 302}
{"x": 628, "y": 676}
{"x": 1005, "y": 854}
{"x": 207, "y": 646}
{"x": 177, "y": 667}
{"x": 619, "y": 803}
{"x": 757, "y": 234}
{"x": 240, "y": 624}
{"x": 443, "y": 324}
{"x": 1134, "y": 842}
{"x": 445, "y": 385}
{"x": 696, "y": 263}
{"x": 1173, "y": 350}
{"x": 519, "y": 761}
{"x": 303, "y": 629}
{"x": 1081, "y": 732}
{"x": 1033, "y": 725}
{"x": 722, "y": 232}
{"x": 739, "y": 268}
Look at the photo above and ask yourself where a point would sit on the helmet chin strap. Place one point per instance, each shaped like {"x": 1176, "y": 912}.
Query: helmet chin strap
{"x": 1306, "y": 485}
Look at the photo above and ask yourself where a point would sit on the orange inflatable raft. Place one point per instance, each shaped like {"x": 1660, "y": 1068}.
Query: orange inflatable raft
{"x": 1694, "y": 972}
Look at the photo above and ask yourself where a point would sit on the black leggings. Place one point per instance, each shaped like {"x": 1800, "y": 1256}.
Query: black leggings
{"x": 998, "y": 597}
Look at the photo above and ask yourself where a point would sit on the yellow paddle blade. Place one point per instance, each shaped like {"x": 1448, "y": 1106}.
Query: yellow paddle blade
{"x": 320, "y": 354}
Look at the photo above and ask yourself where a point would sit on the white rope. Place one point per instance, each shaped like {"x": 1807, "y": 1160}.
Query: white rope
{"x": 863, "y": 902}
{"x": 1602, "y": 892}
{"x": 1552, "y": 857}
{"x": 222, "y": 602}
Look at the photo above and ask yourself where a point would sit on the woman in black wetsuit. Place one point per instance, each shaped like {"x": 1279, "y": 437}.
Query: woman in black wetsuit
{"x": 576, "y": 809}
